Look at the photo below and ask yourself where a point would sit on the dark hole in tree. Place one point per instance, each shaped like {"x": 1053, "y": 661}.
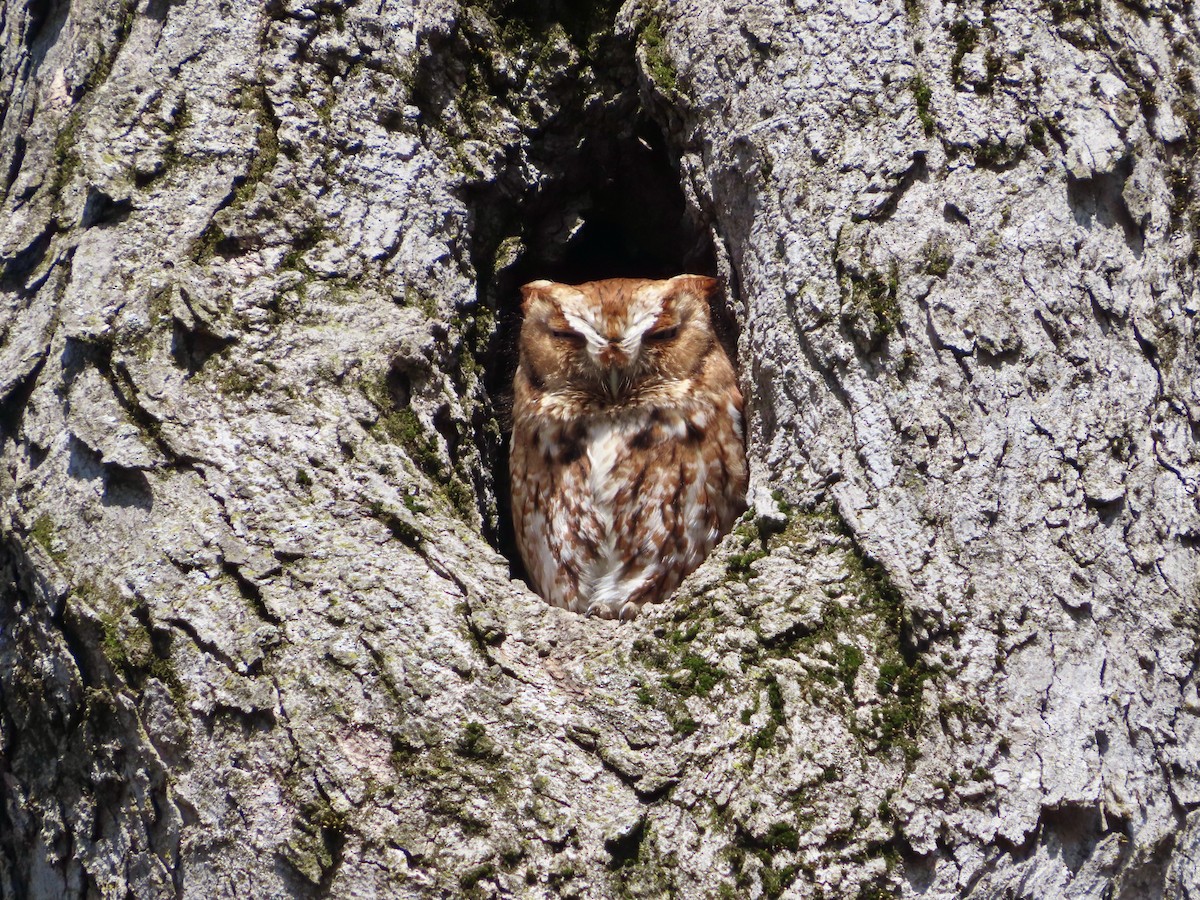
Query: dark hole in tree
{"x": 620, "y": 214}
{"x": 606, "y": 200}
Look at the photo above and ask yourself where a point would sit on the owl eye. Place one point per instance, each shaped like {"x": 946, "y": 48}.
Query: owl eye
{"x": 573, "y": 337}
{"x": 663, "y": 334}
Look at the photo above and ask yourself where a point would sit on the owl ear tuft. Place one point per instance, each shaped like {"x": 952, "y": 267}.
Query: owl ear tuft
{"x": 700, "y": 285}
{"x": 540, "y": 288}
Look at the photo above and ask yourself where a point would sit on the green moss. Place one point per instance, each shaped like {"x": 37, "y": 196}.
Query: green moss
{"x": 303, "y": 478}
{"x": 938, "y": 258}
{"x": 401, "y": 426}
{"x": 684, "y": 725}
{"x": 993, "y": 65}
{"x": 588, "y": 24}
{"x": 414, "y": 506}
{"x": 781, "y": 837}
{"x": 205, "y": 246}
{"x": 461, "y": 497}
{"x": 44, "y": 533}
{"x": 128, "y": 645}
{"x": 885, "y": 806}
{"x": 66, "y": 157}
{"x": 873, "y": 304}
{"x": 849, "y": 661}
{"x": 527, "y": 27}
{"x": 966, "y": 38}
{"x": 873, "y": 891}
{"x": 747, "y": 714}
{"x": 238, "y": 383}
{"x": 881, "y": 299}
{"x": 923, "y": 95}
{"x": 474, "y": 743}
{"x": 658, "y": 61}
{"x": 739, "y": 564}
{"x": 991, "y": 154}
{"x": 754, "y": 548}
{"x": 902, "y": 672}
{"x": 781, "y": 502}
{"x": 477, "y": 328}
{"x": 682, "y": 673}
{"x": 560, "y": 875}
{"x": 704, "y": 675}
{"x": 474, "y": 875}
{"x": 266, "y": 156}
{"x": 685, "y": 635}
{"x": 115, "y": 649}
{"x": 422, "y": 301}
{"x": 1186, "y": 80}
{"x": 1063, "y": 11}
{"x": 181, "y": 118}
{"x": 776, "y": 881}
{"x": 689, "y": 674}
{"x": 452, "y": 773}
{"x": 108, "y": 53}
{"x": 765, "y": 737}
{"x": 512, "y": 854}
{"x": 1185, "y": 165}
{"x": 871, "y": 625}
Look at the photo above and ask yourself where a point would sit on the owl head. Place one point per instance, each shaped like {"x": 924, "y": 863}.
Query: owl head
{"x": 611, "y": 337}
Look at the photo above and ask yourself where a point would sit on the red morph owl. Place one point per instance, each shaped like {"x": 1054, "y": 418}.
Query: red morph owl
{"x": 628, "y": 462}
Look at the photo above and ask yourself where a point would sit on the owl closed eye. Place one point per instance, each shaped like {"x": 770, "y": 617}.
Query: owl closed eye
{"x": 627, "y": 460}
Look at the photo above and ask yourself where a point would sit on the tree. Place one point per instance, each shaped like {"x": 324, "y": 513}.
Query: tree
{"x": 259, "y": 632}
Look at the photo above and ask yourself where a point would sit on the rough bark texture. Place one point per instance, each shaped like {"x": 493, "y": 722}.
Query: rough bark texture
{"x": 256, "y": 270}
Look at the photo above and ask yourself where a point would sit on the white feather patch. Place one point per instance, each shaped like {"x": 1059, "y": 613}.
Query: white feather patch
{"x": 606, "y": 440}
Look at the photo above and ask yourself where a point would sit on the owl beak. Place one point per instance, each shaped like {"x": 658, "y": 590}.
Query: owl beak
{"x": 613, "y": 364}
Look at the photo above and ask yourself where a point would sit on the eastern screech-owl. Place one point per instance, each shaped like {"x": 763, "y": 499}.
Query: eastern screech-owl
{"x": 627, "y": 458}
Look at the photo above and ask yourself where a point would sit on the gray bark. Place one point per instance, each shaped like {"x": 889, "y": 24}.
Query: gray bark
{"x": 259, "y": 637}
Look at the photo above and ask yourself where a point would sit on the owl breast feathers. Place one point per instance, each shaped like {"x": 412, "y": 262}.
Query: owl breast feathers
{"x": 627, "y": 459}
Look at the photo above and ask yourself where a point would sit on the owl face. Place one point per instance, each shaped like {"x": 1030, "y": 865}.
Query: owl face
{"x": 612, "y": 338}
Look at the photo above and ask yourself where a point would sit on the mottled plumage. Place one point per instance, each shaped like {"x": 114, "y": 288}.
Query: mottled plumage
{"x": 627, "y": 457}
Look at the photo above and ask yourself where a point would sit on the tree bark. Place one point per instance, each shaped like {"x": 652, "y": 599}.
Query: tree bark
{"x": 258, "y": 632}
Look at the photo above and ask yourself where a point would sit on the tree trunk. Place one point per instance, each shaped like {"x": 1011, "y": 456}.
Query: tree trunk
{"x": 260, "y": 631}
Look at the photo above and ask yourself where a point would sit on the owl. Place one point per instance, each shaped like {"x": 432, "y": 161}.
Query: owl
{"x": 627, "y": 462}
